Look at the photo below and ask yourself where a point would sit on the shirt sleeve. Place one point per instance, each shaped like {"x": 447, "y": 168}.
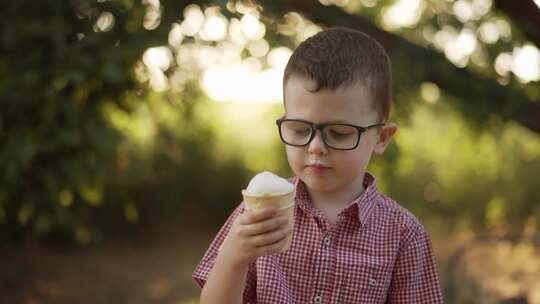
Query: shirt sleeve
{"x": 204, "y": 267}
{"x": 415, "y": 278}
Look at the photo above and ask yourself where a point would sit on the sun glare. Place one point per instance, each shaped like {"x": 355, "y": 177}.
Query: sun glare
{"x": 489, "y": 32}
{"x": 215, "y": 28}
{"x": 460, "y": 48}
{"x": 193, "y": 20}
{"x": 403, "y": 13}
{"x": 526, "y": 64}
{"x": 457, "y": 46}
{"x": 243, "y": 83}
{"x": 157, "y": 61}
{"x": 252, "y": 27}
{"x": 503, "y": 64}
{"x": 247, "y": 81}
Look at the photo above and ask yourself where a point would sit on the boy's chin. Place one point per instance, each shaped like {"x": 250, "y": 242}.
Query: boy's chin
{"x": 317, "y": 184}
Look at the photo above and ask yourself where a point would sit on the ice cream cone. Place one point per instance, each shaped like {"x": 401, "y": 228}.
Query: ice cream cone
{"x": 284, "y": 203}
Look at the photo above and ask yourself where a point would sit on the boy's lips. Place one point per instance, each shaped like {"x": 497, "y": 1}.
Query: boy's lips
{"x": 318, "y": 168}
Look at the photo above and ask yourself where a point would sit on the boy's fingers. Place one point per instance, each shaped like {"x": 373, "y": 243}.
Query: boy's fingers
{"x": 271, "y": 248}
{"x": 254, "y": 216}
{"x": 267, "y": 225}
{"x": 271, "y": 237}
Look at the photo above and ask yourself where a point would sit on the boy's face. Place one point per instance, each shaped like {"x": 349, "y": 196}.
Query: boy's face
{"x": 321, "y": 168}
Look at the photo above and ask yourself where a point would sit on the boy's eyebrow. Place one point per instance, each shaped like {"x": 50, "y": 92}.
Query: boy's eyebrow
{"x": 336, "y": 121}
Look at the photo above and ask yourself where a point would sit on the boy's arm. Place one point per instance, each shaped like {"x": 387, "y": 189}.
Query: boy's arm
{"x": 244, "y": 237}
{"x": 225, "y": 282}
{"x": 201, "y": 272}
{"x": 415, "y": 278}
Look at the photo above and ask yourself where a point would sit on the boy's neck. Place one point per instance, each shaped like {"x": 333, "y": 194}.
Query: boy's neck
{"x": 331, "y": 203}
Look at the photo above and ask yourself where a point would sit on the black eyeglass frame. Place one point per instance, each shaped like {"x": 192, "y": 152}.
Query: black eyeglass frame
{"x": 320, "y": 127}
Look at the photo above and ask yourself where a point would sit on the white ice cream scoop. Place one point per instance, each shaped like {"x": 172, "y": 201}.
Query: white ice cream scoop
{"x": 269, "y": 190}
{"x": 267, "y": 183}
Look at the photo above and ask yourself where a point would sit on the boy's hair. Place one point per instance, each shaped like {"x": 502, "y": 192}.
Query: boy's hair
{"x": 344, "y": 57}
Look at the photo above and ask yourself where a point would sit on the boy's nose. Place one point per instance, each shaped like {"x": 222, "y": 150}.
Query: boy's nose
{"x": 317, "y": 146}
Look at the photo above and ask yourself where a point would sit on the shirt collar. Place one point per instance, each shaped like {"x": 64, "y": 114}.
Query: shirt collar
{"x": 361, "y": 207}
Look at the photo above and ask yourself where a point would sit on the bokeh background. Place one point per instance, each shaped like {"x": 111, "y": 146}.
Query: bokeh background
{"x": 128, "y": 129}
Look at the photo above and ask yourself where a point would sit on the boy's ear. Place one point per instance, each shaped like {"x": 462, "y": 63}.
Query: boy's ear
{"x": 383, "y": 137}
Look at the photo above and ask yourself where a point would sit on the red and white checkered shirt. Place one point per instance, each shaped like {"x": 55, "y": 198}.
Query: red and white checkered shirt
{"x": 377, "y": 252}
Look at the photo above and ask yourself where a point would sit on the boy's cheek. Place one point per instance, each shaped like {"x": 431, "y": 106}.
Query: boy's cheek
{"x": 290, "y": 151}
{"x": 291, "y": 158}
{"x": 295, "y": 159}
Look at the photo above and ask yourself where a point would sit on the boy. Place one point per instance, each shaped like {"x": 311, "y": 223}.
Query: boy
{"x": 351, "y": 244}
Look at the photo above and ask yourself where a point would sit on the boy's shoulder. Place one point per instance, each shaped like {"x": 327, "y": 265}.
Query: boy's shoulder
{"x": 389, "y": 209}
{"x": 390, "y": 212}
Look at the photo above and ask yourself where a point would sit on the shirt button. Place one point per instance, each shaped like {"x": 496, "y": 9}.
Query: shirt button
{"x": 372, "y": 282}
{"x": 326, "y": 241}
{"x": 317, "y": 300}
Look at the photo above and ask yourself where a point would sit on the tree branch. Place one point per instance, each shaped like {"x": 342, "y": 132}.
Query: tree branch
{"x": 478, "y": 97}
{"x": 526, "y": 14}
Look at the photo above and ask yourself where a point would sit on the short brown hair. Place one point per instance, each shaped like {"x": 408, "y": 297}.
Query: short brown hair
{"x": 341, "y": 57}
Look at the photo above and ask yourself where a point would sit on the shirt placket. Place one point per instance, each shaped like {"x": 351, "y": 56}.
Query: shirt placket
{"x": 325, "y": 275}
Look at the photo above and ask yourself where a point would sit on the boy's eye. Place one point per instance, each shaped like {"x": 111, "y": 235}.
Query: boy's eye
{"x": 339, "y": 134}
{"x": 301, "y": 130}
{"x": 341, "y": 131}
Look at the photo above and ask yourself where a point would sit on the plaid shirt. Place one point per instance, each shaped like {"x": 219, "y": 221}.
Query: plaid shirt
{"x": 377, "y": 252}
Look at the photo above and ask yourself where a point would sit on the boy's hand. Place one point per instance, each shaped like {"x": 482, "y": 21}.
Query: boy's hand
{"x": 255, "y": 233}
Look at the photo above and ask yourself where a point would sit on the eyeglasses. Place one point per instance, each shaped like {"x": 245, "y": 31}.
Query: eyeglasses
{"x": 299, "y": 133}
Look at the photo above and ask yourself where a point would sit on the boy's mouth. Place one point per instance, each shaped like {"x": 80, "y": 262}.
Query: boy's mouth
{"x": 318, "y": 168}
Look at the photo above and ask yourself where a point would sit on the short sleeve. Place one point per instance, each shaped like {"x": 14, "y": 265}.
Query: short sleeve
{"x": 415, "y": 278}
{"x": 206, "y": 264}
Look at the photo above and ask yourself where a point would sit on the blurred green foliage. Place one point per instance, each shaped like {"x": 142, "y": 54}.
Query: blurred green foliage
{"x": 57, "y": 148}
{"x": 88, "y": 150}
{"x": 85, "y": 150}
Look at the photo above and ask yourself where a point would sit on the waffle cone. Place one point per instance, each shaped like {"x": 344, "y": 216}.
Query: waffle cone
{"x": 284, "y": 202}
{"x": 280, "y": 201}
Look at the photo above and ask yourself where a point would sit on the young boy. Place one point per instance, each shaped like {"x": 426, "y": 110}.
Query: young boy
{"x": 351, "y": 244}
